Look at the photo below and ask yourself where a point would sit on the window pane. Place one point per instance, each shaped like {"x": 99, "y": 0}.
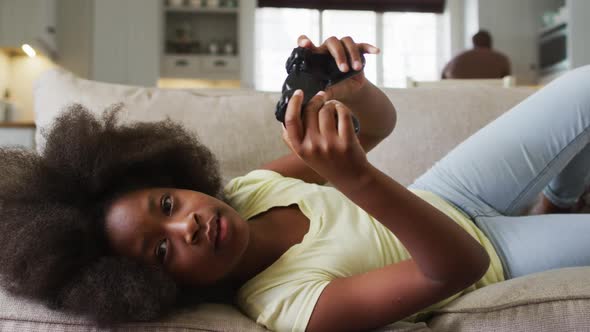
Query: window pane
{"x": 276, "y": 33}
{"x": 360, "y": 25}
{"x": 409, "y": 48}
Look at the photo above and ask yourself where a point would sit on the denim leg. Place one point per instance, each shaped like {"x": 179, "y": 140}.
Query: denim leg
{"x": 539, "y": 243}
{"x": 567, "y": 187}
{"x": 503, "y": 167}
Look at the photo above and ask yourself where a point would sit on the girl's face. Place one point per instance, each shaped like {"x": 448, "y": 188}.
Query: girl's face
{"x": 196, "y": 238}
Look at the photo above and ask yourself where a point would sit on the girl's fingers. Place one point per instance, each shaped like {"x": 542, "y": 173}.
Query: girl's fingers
{"x": 310, "y": 114}
{"x": 342, "y": 50}
{"x": 316, "y": 102}
{"x": 353, "y": 52}
{"x": 304, "y": 41}
{"x": 368, "y": 48}
{"x": 338, "y": 52}
{"x": 327, "y": 118}
{"x": 293, "y": 126}
{"x": 345, "y": 127}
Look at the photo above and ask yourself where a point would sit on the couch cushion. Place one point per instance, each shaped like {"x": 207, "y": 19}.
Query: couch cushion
{"x": 243, "y": 119}
{"x": 556, "y": 300}
{"x": 431, "y": 121}
{"x": 17, "y": 314}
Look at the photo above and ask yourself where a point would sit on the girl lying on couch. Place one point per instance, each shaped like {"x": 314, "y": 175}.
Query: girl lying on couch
{"x": 125, "y": 223}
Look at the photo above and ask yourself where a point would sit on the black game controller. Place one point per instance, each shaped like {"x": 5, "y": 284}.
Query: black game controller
{"x": 311, "y": 72}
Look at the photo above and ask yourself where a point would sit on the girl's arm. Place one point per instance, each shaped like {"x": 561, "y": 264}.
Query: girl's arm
{"x": 370, "y": 105}
{"x": 445, "y": 258}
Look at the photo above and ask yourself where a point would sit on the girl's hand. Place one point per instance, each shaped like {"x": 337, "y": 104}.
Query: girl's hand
{"x": 341, "y": 50}
{"x": 324, "y": 138}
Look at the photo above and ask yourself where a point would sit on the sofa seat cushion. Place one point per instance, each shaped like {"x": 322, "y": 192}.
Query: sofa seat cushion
{"x": 555, "y": 300}
{"x": 18, "y": 314}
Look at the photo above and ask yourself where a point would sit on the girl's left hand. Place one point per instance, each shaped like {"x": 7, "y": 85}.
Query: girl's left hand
{"x": 324, "y": 138}
{"x": 341, "y": 50}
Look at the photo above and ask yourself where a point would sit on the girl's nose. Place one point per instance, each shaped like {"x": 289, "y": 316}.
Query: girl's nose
{"x": 192, "y": 229}
{"x": 187, "y": 227}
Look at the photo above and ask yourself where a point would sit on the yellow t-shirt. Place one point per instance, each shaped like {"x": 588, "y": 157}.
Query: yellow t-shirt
{"x": 343, "y": 240}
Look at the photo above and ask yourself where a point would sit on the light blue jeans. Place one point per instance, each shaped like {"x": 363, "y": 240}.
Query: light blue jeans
{"x": 539, "y": 145}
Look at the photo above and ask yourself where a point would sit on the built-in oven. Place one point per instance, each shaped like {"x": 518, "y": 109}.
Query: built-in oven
{"x": 553, "y": 53}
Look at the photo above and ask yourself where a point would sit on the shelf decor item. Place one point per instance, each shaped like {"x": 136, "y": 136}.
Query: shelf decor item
{"x": 195, "y": 3}
{"x": 213, "y": 47}
{"x": 213, "y": 3}
{"x": 228, "y": 47}
{"x": 231, "y": 3}
{"x": 183, "y": 42}
{"x": 175, "y": 3}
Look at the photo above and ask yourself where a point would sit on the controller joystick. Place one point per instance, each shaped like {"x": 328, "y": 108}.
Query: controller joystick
{"x": 311, "y": 72}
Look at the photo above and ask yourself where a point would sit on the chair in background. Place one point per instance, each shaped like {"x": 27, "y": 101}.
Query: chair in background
{"x": 506, "y": 82}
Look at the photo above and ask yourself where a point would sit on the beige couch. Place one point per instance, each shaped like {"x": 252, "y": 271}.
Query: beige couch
{"x": 239, "y": 127}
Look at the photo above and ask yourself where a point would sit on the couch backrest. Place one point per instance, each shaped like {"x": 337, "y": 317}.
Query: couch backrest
{"x": 240, "y": 128}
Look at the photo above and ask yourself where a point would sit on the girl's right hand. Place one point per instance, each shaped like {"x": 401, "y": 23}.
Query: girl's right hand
{"x": 324, "y": 138}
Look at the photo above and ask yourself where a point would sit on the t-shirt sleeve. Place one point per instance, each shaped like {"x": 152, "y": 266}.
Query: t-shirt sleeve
{"x": 245, "y": 192}
{"x": 286, "y": 307}
{"x": 260, "y": 189}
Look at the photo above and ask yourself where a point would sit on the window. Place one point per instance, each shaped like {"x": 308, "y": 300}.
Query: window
{"x": 360, "y": 25}
{"x": 409, "y": 48}
{"x": 409, "y": 42}
{"x": 276, "y": 33}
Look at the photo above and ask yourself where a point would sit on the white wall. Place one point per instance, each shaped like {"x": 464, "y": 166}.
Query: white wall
{"x": 578, "y": 47}
{"x": 512, "y": 24}
{"x": 471, "y": 25}
{"x": 74, "y": 40}
{"x": 4, "y": 70}
{"x": 454, "y": 16}
{"x": 246, "y": 42}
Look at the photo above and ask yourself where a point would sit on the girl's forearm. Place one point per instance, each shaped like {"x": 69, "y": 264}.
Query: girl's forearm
{"x": 441, "y": 248}
{"x": 374, "y": 111}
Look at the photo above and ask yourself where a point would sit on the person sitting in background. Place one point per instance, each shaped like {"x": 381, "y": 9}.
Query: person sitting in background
{"x": 480, "y": 62}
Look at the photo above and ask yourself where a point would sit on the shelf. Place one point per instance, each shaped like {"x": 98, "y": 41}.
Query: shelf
{"x": 552, "y": 28}
{"x": 201, "y": 10}
{"x": 202, "y": 26}
{"x": 200, "y": 66}
{"x": 23, "y": 124}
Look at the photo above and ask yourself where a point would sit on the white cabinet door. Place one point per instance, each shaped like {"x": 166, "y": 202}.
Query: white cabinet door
{"x": 12, "y": 18}
{"x": 47, "y": 19}
{"x": 28, "y": 22}
{"x": 126, "y": 46}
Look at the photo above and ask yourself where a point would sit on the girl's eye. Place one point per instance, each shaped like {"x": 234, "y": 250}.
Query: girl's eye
{"x": 161, "y": 250}
{"x": 166, "y": 203}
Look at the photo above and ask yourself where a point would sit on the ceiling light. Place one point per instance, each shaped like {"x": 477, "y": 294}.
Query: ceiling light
{"x": 29, "y": 50}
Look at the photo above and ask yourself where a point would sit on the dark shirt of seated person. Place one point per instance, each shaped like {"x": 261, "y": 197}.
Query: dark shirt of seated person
{"x": 480, "y": 62}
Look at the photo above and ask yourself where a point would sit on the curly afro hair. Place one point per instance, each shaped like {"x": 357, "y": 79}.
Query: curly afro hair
{"x": 52, "y": 213}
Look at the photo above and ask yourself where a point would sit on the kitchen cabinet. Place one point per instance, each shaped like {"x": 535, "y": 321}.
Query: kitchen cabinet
{"x": 30, "y": 22}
